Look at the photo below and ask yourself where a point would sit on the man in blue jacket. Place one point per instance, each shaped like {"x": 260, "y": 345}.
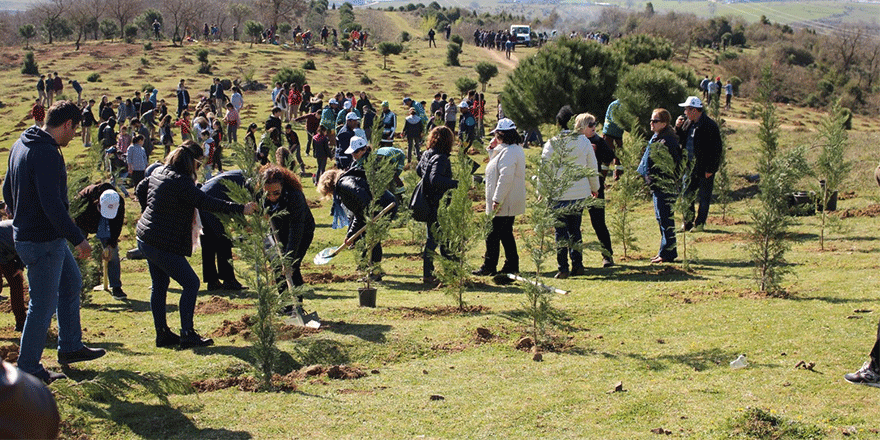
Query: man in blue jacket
{"x": 35, "y": 190}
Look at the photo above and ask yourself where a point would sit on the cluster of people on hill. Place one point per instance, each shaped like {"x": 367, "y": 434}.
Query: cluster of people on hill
{"x": 712, "y": 90}
{"x": 495, "y": 39}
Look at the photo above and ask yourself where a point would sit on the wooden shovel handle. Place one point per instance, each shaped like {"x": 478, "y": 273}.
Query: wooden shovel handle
{"x": 357, "y": 234}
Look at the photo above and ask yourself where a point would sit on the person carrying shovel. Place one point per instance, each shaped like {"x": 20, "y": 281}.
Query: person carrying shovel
{"x": 103, "y": 215}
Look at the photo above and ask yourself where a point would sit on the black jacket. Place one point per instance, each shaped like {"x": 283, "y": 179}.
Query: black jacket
{"x": 89, "y": 218}
{"x": 436, "y": 170}
{"x": 354, "y": 193}
{"x": 655, "y": 174}
{"x": 293, "y": 222}
{"x": 707, "y": 145}
{"x": 215, "y": 188}
{"x": 170, "y": 199}
{"x": 604, "y": 156}
{"x": 35, "y": 189}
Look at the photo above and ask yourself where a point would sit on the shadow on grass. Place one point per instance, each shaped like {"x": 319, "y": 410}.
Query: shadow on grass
{"x": 700, "y": 360}
{"x": 157, "y": 421}
{"x": 653, "y": 273}
{"x": 722, "y": 263}
{"x": 367, "y": 332}
{"x": 831, "y": 299}
{"x": 127, "y": 305}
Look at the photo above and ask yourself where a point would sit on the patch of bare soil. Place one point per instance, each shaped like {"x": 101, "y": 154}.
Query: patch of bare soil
{"x": 727, "y": 221}
{"x": 290, "y": 332}
{"x": 217, "y": 305}
{"x": 232, "y": 328}
{"x": 702, "y": 295}
{"x": 9, "y": 353}
{"x": 326, "y": 277}
{"x": 244, "y": 383}
{"x": 720, "y": 238}
{"x": 427, "y": 312}
{"x": 846, "y": 195}
{"x": 868, "y": 211}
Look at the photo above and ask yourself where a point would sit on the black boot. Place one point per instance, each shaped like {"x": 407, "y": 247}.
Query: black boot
{"x": 165, "y": 338}
{"x": 189, "y": 338}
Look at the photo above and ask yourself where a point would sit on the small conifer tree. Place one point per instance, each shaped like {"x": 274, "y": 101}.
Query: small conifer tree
{"x": 832, "y": 165}
{"x": 379, "y": 172}
{"x": 553, "y": 177}
{"x": 722, "y": 176}
{"x": 261, "y": 264}
{"x": 628, "y": 191}
{"x": 457, "y": 228}
{"x": 673, "y": 180}
{"x": 770, "y": 218}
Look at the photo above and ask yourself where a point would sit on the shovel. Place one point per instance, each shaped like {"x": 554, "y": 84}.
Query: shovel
{"x": 295, "y": 318}
{"x": 327, "y": 254}
{"x": 105, "y": 259}
{"x": 506, "y": 279}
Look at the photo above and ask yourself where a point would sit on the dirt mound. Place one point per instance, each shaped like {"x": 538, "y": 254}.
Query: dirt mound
{"x": 341, "y": 372}
{"x": 868, "y": 211}
{"x": 9, "y": 353}
{"x": 244, "y": 383}
{"x": 232, "y": 328}
{"x": 217, "y": 305}
{"x": 727, "y": 221}
{"x": 290, "y": 332}
{"x": 327, "y": 277}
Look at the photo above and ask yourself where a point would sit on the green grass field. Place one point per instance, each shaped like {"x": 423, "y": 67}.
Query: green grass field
{"x": 666, "y": 334}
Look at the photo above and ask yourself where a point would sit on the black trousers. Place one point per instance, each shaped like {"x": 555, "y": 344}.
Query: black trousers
{"x": 216, "y": 259}
{"x": 597, "y": 219}
{"x": 501, "y": 234}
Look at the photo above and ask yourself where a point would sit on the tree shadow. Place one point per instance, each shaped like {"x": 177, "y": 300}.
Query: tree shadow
{"x": 699, "y": 360}
{"x": 723, "y": 263}
{"x": 746, "y": 192}
{"x": 163, "y": 421}
{"x": 832, "y": 300}
{"x": 126, "y": 305}
{"x": 368, "y": 332}
{"x": 654, "y": 273}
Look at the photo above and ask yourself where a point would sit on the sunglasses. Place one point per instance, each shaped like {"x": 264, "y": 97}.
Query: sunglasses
{"x": 591, "y": 124}
{"x": 656, "y": 121}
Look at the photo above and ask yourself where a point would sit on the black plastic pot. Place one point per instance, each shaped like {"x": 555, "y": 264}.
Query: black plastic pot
{"x": 802, "y": 203}
{"x": 832, "y": 202}
{"x": 367, "y": 297}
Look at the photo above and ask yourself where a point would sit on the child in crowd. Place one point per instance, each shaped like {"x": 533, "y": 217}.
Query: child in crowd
{"x": 209, "y": 148}
{"x": 322, "y": 151}
{"x": 136, "y": 160}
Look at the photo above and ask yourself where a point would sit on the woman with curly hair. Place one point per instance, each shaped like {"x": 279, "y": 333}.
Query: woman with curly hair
{"x": 291, "y": 218}
{"x": 436, "y": 170}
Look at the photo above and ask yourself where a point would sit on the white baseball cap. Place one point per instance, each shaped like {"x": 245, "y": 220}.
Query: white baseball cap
{"x": 333, "y": 101}
{"x": 352, "y": 116}
{"x": 692, "y": 101}
{"x": 463, "y": 104}
{"x": 355, "y": 144}
{"x": 109, "y": 204}
{"x": 504, "y": 124}
{"x": 347, "y": 105}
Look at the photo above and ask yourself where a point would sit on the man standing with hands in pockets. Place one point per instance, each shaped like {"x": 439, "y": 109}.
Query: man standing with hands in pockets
{"x": 35, "y": 190}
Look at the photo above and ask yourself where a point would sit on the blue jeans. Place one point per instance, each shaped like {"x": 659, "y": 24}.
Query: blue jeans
{"x": 113, "y": 269}
{"x": 666, "y": 220}
{"x": 569, "y": 239}
{"x": 703, "y": 186}
{"x": 165, "y": 266}
{"x": 54, "y": 284}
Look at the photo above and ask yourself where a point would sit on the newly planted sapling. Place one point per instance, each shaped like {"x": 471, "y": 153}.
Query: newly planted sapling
{"x": 832, "y": 166}
{"x": 379, "y": 172}
{"x": 628, "y": 191}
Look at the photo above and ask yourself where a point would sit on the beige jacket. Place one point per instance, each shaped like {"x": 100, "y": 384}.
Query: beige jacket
{"x": 581, "y": 154}
{"x": 506, "y": 180}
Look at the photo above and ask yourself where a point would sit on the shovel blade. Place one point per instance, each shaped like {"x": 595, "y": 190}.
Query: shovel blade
{"x": 324, "y": 256}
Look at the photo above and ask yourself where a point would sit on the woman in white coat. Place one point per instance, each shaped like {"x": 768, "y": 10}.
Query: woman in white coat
{"x": 505, "y": 196}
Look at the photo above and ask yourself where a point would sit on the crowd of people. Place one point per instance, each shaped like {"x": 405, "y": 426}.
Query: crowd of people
{"x": 179, "y": 195}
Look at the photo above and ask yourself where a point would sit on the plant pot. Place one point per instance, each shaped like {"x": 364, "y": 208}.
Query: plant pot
{"x": 801, "y": 203}
{"x": 367, "y": 296}
{"x": 832, "y": 202}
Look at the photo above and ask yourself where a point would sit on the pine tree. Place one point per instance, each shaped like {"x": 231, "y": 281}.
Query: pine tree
{"x": 722, "y": 176}
{"x": 628, "y": 191}
{"x": 770, "y": 218}
{"x": 832, "y": 165}
{"x": 673, "y": 180}
{"x": 379, "y": 174}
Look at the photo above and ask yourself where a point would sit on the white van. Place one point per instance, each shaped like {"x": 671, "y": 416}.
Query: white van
{"x": 523, "y": 34}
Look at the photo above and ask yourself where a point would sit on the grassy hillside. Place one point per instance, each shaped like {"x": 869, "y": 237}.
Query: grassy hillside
{"x": 664, "y": 334}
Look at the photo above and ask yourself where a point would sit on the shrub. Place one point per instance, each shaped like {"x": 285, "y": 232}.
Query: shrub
{"x": 29, "y": 67}
{"x": 404, "y": 37}
{"x": 365, "y": 80}
{"x": 486, "y": 71}
{"x": 309, "y": 65}
{"x": 726, "y": 56}
{"x": 457, "y": 39}
{"x": 386, "y": 48}
{"x": 643, "y": 89}
{"x": 465, "y": 85}
{"x": 93, "y": 77}
{"x": 813, "y": 101}
{"x": 579, "y": 73}
{"x": 296, "y": 77}
{"x": 735, "y": 81}
{"x": 147, "y": 86}
{"x": 148, "y": 45}
{"x": 826, "y": 87}
{"x": 131, "y": 32}
{"x": 642, "y": 48}
{"x": 452, "y": 52}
